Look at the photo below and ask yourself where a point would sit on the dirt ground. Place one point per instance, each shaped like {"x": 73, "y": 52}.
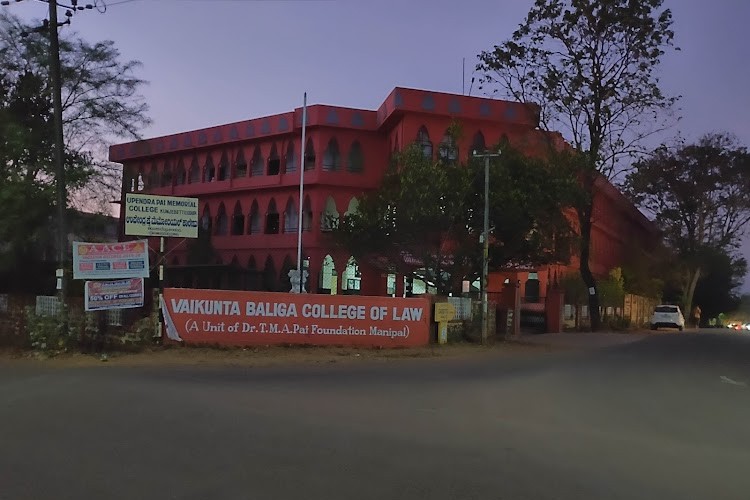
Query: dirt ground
{"x": 264, "y": 355}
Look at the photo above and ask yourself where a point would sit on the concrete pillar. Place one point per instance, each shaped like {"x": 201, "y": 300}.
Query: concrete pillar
{"x": 554, "y": 310}
{"x": 374, "y": 282}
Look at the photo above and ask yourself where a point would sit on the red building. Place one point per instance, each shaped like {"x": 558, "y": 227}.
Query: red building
{"x": 246, "y": 176}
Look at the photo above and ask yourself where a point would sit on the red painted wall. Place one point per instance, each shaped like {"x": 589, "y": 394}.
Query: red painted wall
{"x": 394, "y": 125}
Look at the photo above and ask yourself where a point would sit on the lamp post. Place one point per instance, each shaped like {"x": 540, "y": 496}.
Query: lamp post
{"x": 485, "y": 239}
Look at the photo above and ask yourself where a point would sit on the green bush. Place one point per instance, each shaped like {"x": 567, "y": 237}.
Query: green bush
{"x": 46, "y": 333}
{"x": 618, "y": 323}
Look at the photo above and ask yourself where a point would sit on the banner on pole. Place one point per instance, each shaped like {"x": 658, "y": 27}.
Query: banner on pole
{"x": 125, "y": 259}
{"x": 116, "y": 294}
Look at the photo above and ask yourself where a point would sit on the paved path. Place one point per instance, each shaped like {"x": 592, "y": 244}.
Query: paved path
{"x": 664, "y": 418}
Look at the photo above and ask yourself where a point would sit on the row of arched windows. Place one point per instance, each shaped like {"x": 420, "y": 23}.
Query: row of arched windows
{"x": 255, "y": 166}
{"x": 180, "y": 173}
{"x": 271, "y": 221}
{"x": 447, "y": 149}
{"x": 269, "y": 277}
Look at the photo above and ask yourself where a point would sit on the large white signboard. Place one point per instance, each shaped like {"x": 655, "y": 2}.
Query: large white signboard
{"x": 168, "y": 216}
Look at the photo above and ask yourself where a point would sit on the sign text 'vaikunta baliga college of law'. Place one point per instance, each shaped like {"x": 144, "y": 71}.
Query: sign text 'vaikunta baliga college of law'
{"x": 169, "y": 216}
{"x": 246, "y": 318}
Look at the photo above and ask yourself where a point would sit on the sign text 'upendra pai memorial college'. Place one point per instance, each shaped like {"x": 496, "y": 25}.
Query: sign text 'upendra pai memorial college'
{"x": 247, "y": 318}
{"x": 168, "y": 216}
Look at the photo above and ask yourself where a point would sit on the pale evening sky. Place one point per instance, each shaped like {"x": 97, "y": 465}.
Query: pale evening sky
{"x": 217, "y": 61}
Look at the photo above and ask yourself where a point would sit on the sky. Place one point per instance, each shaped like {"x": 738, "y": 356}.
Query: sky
{"x": 211, "y": 62}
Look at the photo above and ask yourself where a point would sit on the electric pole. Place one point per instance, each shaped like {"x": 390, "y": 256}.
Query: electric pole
{"x": 62, "y": 198}
{"x": 486, "y": 240}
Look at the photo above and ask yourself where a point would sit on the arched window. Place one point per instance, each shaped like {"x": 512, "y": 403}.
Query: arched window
{"x": 477, "y": 143}
{"x": 256, "y": 165}
{"x": 351, "y": 278}
{"x": 240, "y": 165}
{"x": 209, "y": 171}
{"x": 448, "y": 151}
{"x": 269, "y": 276}
{"x": 253, "y": 219}
{"x": 153, "y": 177}
{"x": 327, "y": 282}
{"x": 285, "y": 283}
{"x": 532, "y": 288}
{"x": 309, "y": 155}
{"x": 353, "y": 207}
{"x": 195, "y": 171}
{"x": 291, "y": 158}
{"x": 166, "y": 175}
{"x": 290, "y": 217}
{"x": 330, "y": 216}
{"x": 274, "y": 162}
{"x": 223, "y": 173}
{"x": 332, "y": 156}
{"x": 272, "y": 218}
{"x": 222, "y": 222}
{"x": 206, "y": 222}
{"x": 307, "y": 215}
{"x": 238, "y": 220}
{"x": 423, "y": 139}
{"x": 181, "y": 177}
{"x": 356, "y": 162}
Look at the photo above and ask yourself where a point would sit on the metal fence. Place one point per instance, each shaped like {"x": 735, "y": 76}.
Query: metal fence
{"x": 463, "y": 307}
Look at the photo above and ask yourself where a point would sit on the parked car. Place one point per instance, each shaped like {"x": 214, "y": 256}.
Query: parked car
{"x": 667, "y": 316}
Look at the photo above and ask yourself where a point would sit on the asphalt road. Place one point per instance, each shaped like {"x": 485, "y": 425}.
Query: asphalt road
{"x": 663, "y": 418}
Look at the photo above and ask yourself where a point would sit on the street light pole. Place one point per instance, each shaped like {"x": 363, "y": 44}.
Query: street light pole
{"x": 486, "y": 241}
{"x": 62, "y": 199}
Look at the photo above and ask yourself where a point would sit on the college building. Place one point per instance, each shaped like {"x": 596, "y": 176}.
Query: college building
{"x": 246, "y": 176}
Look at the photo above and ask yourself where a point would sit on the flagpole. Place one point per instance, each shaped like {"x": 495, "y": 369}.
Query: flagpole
{"x": 300, "y": 219}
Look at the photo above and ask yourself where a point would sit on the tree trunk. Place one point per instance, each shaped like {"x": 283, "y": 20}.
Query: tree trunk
{"x": 691, "y": 292}
{"x": 584, "y": 218}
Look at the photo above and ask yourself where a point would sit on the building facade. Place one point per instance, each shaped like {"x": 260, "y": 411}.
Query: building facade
{"x": 246, "y": 176}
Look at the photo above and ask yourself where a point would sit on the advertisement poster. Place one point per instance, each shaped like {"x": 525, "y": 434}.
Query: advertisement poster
{"x": 117, "y": 294}
{"x": 246, "y": 318}
{"x": 126, "y": 259}
{"x": 168, "y": 216}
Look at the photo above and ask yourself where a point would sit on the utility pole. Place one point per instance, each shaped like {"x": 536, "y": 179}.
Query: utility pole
{"x": 486, "y": 240}
{"x": 62, "y": 198}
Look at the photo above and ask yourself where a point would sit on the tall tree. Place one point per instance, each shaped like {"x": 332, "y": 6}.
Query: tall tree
{"x": 431, "y": 212}
{"x": 718, "y": 289}
{"x": 590, "y": 67}
{"x": 698, "y": 194}
{"x": 100, "y": 101}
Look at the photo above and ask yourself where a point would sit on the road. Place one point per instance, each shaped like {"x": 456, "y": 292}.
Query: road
{"x": 667, "y": 417}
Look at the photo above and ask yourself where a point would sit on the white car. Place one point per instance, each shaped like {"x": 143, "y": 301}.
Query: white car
{"x": 667, "y": 316}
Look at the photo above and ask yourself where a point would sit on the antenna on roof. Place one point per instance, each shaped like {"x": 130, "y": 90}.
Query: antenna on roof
{"x": 471, "y": 86}
{"x": 463, "y": 76}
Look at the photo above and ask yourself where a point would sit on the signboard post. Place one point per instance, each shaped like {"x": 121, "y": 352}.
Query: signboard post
{"x": 444, "y": 312}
